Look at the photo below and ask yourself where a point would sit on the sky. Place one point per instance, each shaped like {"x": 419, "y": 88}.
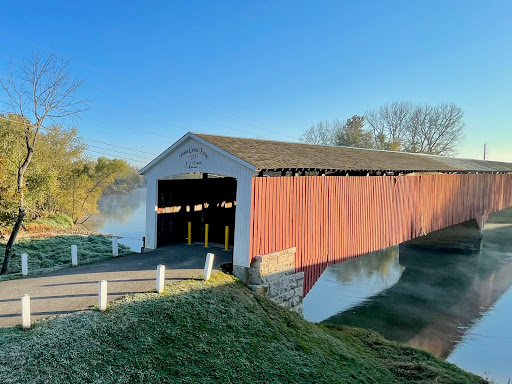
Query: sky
{"x": 155, "y": 70}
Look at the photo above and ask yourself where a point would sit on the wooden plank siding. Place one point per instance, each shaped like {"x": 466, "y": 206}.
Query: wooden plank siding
{"x": 335, "y": 218}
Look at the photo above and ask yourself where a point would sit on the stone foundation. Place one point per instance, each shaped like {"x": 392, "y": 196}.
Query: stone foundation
{"x": 273, "y": 275}
{"x": 465, "y": 237}
{"x": 241, "y": 272}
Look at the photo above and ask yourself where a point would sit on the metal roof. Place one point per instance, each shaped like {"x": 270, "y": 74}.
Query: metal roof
{"x": 275, "y": 155}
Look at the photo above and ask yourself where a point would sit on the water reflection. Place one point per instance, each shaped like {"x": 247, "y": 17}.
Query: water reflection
{"x": 442, "y": 302}
{"x": 360, "y": 278}
{"x": 121, "y": 215}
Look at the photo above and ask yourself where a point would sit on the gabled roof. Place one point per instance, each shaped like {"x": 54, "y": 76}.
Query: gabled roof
{"x": 196, "y": 137}
{"x": 278, "y": 155}
{"x": 262, "y": 155}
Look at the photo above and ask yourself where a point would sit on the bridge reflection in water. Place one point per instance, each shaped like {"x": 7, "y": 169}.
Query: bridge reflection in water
{"x": 347, "y": 284}
{"x": 427, "y": 299}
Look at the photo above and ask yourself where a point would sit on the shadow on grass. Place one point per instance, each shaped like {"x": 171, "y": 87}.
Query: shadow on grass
{"x": 174, "y": 257}
{"x": 56, "y": 297}
{"x": 51, "y": 254}
{"x": 95, "y": 282}
{"x": 130, "y": 274}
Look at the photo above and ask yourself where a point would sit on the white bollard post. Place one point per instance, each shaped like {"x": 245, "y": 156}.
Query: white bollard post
{"x": 102, "y": 295}
{"x": 74, "y": 255}
{"x": 24, "y": 264}
{"x": 25, "y": 312}
{"x": 115, "y": 249}
{"x": 208, "y": 265}
{"x": 160, "y": 278}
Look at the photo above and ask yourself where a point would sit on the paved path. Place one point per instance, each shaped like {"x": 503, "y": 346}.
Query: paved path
{"x": 75, "y": 289}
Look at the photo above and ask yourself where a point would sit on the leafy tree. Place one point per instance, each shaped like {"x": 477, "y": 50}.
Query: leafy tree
{"x": 40, "y": 88}
{"x": 61, "y": 178}
{"x": 87, "y": 182}
{"x": 11, "y": 157}
{"x": 353, "y": 134}
{"x": 125, "y": 183}
{"x": 58, "y": 150}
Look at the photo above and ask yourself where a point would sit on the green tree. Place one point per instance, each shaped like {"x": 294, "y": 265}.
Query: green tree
{"x": 58, "y": 150}
{"x": 353, "y": 134}
{"x": 125, "y": 183}
{"x": 61, "y": 178}
{"x": 11, "y": 157}
{"x": 86, "y": 183}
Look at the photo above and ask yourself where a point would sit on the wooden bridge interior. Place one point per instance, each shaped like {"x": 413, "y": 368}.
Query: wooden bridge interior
{"x": 209, "y": 201}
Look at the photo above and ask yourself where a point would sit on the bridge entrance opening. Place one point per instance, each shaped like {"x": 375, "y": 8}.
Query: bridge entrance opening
{"x": 208, "y": 204}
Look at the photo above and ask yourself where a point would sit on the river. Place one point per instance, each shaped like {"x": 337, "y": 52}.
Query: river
{"x": 121, "y": 215}
{"x": 457, "y": 306}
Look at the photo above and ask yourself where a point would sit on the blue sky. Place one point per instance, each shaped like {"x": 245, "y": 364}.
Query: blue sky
{"x": 271, "y": 69}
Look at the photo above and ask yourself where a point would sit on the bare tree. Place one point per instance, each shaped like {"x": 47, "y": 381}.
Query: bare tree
{"x": 390, "y": 124}
{"x": 399, "y": 126}
{"x": 39, "y": 89}
{"x": 443, "y": 129}
{"x": 421, "y": 128}
{"x": 323, "y": 133}
{"x": 414, "y": 140}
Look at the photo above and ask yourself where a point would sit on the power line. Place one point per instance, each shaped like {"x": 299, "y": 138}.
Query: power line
{"x": 123, "y": 158}
{"x": 190, "y": 116}
{"x": 116, "y": 77}
{"x": 122, "y": 153}
{"x": 132, "y": 129}
{"x": 101, "y": 153}
{"x": 117, "y": 146}
{"x": 161, "y": 122}
{"x": 96, "y": 141}
{"x": 164, "y": 122}
{"x": 148, "y": 89}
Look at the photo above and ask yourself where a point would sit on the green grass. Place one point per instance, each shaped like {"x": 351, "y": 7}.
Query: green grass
{"x": 59, "y": 220}
{"x": 49, "y": 222}
{"x": 209, "y": 332}
{"x": 49, "y": 254}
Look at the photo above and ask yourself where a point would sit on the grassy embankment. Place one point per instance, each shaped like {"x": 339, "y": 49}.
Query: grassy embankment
{"x": 57, "y": 222}
{"x": 52, "y": 253}
{"x": 209, "y": 332}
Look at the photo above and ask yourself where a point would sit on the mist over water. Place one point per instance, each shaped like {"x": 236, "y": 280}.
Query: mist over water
{"x": 121, "y": 215}
{"x": 457, "y": 306}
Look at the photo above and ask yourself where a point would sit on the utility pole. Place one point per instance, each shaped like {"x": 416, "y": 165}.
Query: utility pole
{"x": 485, "y": 150}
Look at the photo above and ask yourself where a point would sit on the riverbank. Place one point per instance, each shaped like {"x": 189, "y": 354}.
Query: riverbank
{"x": 53, "y": 225}
{"x": 50, "y": 251}
{"x": 217, "y": 332}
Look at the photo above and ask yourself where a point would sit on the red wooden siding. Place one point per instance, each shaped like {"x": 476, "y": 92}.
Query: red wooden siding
{"x": 331, "y": 219}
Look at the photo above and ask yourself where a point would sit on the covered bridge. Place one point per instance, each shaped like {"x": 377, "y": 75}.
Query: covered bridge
{"x": 329, "y": 203}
